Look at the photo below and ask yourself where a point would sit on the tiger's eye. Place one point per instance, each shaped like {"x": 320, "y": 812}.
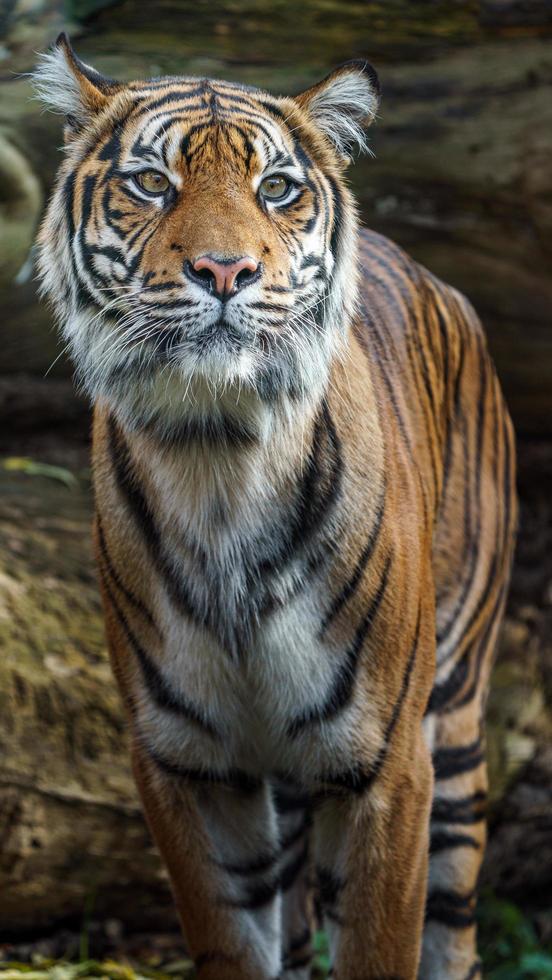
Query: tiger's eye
{"x": 275, "y": 187}
{"x": 152, "y": 182}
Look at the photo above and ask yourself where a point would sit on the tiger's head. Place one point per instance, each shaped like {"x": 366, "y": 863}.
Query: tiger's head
{"x": 200, "y": 242}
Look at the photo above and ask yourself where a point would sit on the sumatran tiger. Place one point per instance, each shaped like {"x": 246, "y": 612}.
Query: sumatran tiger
{"x": 305, "y": 512}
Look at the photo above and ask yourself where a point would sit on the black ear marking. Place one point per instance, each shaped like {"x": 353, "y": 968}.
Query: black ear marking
{"x": 364, "y": 67}
{"x": 72, "y": 124}
{"x": 343, "y": 104}
{"x": 105, "y": 84}
{"x": 66, "y": 85}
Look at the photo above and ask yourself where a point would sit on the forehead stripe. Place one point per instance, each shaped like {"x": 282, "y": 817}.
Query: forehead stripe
{"x": 172, "y": 118}
{"x": 169, "y": 99}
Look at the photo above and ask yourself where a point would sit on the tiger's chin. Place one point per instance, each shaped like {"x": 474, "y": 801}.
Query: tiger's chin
{"x": 114, "y": 367}
{"x": 210, "y": 396}
{"x": 180, "y": 381}
{"x": 191, "y": 411}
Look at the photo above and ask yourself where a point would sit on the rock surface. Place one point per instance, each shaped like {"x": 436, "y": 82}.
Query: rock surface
{"x": 70, "y": 825}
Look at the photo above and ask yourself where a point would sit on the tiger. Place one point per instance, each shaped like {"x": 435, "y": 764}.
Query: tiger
{"x": 305, "y": 514}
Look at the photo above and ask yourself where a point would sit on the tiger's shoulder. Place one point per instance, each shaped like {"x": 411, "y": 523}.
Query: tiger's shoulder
{"x": 402, "y": 291}
{"x": 413, "y": 321}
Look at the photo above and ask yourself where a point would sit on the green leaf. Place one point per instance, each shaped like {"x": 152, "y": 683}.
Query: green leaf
{"x": 537, "y": 964}
{"x": 21, "y": 464}
{"x": 321, "y": 962}
{"x": 180, "y": 966}
{"x": 507, "y": 972}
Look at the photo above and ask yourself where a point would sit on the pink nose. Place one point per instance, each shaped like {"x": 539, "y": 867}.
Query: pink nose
{"x": 225, "y": 277}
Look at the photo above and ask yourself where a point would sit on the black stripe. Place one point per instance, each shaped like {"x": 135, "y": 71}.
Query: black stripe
{"x": 233, "y": 779}
{"x": 315, "y": 496}
{"x": 131, "y": 490}
{"x": 207, "y": 432}
{"x": 262, "y": 862}
{"x": 110, "y": 149}
{"x": 464, "y": 810}
{"x": 472, "y": 533}
{"x": 256, "y": 896}
{"x": 266, "y": 861}
{"x": 357, "y": 779}
{"x": 337, "y": 223}
{"x": 445, "y": 370}
{"x": 454, "y": 761}
{"x": 424, "y": 365}
{"x": 451, "y": 909}
{"x": 298, "y": 942}
{"x": 443, "y": 693}
{"x": 343, "y": 685}
{"x": 272, "y": 307}
{"x": 261, "y": 893}
{"x": 289, "y": 801}
{"x": 399, "y": 287}
{"x": 314, "y": 503}
{"x": 441, "y": 841}
{"x": 84, "y": 296}
{"x": 298, "y": 963}
{"x": 158, "y": 688}
{"x": 377, "y": 352}
{"x": 329, "y": 886}
{"x": 479, "y": 656}
{"x": 351, "y": 586}
{"x": 291, "y": 871}
{"x": 180, "y": 95}
{"x": 494, "y": 567}
{"x": 131, "y": 598}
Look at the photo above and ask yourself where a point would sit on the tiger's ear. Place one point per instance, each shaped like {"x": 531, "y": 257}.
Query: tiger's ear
{"x": 65, "y": 84}
{"x": 343, "y": 104}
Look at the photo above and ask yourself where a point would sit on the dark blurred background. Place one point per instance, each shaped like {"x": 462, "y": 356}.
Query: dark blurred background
{"x": 462, "y": 178}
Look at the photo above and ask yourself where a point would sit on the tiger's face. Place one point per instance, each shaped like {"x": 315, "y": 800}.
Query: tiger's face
{"x": 200, "y": 238}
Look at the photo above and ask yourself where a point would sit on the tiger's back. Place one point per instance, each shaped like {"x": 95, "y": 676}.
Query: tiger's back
{"x": 438, "y": 383}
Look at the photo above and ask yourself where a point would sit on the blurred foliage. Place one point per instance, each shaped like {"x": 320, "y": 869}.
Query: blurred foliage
{"x": 80, "y": 10}
{"x": 321, "y": 956}
{"x": 50, "y": 970}
{"x": 31, "y": 467}
{"x": 509, "y": 947}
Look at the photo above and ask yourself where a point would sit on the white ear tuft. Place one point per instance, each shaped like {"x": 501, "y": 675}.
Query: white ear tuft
{"x": 55, "y": 84}
{"x": 343, "y": 104}
{"x": 68, "y": 86}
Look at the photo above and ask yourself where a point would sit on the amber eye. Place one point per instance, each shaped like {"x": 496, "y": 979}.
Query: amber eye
{"x": 152, "y": 182}
{"x": 275, "y": 188}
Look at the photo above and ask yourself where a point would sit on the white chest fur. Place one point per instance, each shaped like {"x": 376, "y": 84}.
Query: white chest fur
{"x": 254, "y": 659}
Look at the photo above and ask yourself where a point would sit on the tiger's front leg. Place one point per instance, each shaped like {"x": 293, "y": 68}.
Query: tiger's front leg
{"x": 220, "y": 845}
{"x": 371, "y": 848}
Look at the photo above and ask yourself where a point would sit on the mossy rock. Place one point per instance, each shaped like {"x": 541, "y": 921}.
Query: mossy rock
{"x": 70, "y": 822}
